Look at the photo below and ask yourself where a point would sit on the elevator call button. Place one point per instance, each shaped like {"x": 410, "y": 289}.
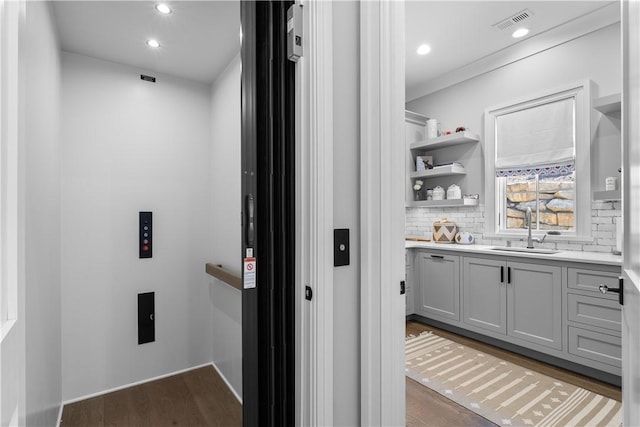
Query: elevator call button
{"x": 145, "y": 235}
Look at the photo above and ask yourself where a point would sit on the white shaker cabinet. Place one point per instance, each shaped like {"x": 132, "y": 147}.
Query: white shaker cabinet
{"x": 438, "y": 291}
{"x": 521, "y": 300}
{"x": 484, "y": 299}
{"x": 534, "y": 303}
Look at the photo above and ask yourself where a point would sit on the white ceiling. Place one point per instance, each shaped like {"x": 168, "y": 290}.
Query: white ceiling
{"x": 198, "y": 40}
{"x": 201, "y": 37}
{"x": 461, "y": 33}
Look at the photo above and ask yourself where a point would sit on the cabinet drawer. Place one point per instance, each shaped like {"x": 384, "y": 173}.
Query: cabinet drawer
{"x": 595, "y": 346}
{"x": 594, "y": 311}
{"x": 590, "y": 280}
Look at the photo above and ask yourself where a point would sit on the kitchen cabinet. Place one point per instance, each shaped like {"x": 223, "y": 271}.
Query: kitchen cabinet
{"x": 534, "y": 303}
{"x": 438, "y": 290}
{"x": 528, "y": 304}
{"x": 594, "y": 320}
{"x": 521, "y": 300}
{"x": 484, "y": 301}
{"x": 608, "y": 106}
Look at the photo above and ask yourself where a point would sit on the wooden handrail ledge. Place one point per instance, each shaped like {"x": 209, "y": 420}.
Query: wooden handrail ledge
{"x": 217, "y": 271}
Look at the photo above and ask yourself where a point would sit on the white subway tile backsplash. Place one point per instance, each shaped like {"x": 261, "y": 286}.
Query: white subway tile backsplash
{"x": 608, "y": 212}
{"x": 601, "y": 219}
{"x": 606, "y": 227}
{"x": 419, "y": 222}
{"x": 568, "y": 246}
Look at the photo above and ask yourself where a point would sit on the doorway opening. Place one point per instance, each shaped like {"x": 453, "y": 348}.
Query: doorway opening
{"x": 455, "y": 96}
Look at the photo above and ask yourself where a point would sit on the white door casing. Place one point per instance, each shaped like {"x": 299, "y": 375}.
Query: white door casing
{"x": 630, "y": 209}
{"x": 314, "y": 218}
{"x": 12, "y": 329}
{"x": 382, "y": 156}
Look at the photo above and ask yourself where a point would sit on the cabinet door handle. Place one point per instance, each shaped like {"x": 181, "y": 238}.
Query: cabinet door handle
{"x": 249, "y": 227}
{"x": 509, "y": 275}
{"x": 502, "y": 274}
{"x": 437, "y": 256}
{"x": 619, "y": 290}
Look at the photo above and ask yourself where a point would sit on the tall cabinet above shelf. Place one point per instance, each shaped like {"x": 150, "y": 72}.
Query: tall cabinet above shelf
{"x": 417, "y": 145}
{"x": 611, "y": 107}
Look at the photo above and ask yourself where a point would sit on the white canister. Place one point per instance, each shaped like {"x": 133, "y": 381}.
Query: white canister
{"x": 454, "y": 192}
{"x": 438, "y": 193}
{"x": 433, "y": 128}
{"x": 611, "y": 183}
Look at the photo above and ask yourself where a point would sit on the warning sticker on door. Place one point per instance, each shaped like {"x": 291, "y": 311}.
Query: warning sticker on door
{"x": 249, "y": 273}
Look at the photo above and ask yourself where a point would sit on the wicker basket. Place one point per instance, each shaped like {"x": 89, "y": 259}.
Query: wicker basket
{"x": 444, "y": 231}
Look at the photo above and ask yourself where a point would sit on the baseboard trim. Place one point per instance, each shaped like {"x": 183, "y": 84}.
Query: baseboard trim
{"x": 233, "y": 390}
{"x": 148, "y": 380}
{"x": 59, "y": 415}
{"x": 122, "y": 387}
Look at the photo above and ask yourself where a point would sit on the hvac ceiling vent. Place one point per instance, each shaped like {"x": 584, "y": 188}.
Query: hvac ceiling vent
{"x": 513, "y": 20}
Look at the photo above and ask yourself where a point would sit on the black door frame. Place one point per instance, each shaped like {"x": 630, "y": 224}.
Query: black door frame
{"x": 268, "y": 188}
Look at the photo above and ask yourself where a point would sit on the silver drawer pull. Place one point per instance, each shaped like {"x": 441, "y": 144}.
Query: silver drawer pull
{"x": 604, "y": 289}
{"x": 619, "y": 290}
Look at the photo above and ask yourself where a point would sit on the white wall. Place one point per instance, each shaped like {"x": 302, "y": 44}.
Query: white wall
{"x": 595, "y": 56}
{"x": 42, "y": 218}
{"x": 346, "y": 202}
{"x": 226, "y": 222}
{"x": 129, "y": 146}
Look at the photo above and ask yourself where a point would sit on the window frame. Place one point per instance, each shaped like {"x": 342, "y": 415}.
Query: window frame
{"x": 581, "y": 91}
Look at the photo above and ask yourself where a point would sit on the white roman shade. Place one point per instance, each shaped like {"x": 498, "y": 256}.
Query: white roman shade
{"x": 539, "y": 135}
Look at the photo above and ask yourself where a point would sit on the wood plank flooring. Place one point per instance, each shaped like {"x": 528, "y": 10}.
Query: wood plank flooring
{"x": 426, "y": 407}
{"x": 201, "y": 398}
{"x": 194, "y": 398}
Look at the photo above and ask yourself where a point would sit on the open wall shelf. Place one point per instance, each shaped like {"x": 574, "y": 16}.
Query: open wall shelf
{"x": 445, "y": 141}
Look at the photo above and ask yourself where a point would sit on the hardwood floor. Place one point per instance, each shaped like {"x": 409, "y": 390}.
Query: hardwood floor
{"x": 426, "y": 407}
{"x": 201, "y": 398}
{"x": 194, "y": 398}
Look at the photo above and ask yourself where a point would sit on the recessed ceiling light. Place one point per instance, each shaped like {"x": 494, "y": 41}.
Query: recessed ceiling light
{"x": 153, "y": 43}
{"x": 424, "y": 49}
{"x": 163, "y": 8}
{"x": 520, "y": 32}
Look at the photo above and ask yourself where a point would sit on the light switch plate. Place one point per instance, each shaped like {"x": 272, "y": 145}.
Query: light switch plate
{"x": 340, "y": 247}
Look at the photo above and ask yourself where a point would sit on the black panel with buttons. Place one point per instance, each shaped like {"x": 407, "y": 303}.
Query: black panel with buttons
{"x": 146, "y": 229}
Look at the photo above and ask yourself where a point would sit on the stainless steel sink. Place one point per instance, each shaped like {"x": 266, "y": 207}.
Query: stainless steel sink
{"x": 525, "y": 250}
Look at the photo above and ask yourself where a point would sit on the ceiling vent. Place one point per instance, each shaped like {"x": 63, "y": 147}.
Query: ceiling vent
{"x": 518, "y": 18}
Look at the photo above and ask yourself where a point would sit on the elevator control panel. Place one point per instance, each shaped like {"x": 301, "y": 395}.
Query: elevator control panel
{"x": 146, "y": 235}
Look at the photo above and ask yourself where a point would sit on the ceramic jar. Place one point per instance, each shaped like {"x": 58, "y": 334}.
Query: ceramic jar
{"x": 454, "y": 192}
{"x": 438, "y": 193}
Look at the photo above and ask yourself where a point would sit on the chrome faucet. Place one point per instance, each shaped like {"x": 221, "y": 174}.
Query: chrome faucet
{"x": 530, "y": 240}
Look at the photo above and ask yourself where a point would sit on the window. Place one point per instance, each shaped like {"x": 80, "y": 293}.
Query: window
{"x": 550, "y": 197}
{"x": 537, "y": 164}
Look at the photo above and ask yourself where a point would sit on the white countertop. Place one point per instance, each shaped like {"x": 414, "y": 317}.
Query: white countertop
{"x": 571, "y": 256}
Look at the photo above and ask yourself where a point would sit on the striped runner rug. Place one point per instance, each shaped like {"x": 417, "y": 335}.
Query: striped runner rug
{"x": 502, "y": 392}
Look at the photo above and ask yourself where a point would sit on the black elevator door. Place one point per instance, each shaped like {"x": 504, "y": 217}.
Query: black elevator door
{"x": 268, "y": 187}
